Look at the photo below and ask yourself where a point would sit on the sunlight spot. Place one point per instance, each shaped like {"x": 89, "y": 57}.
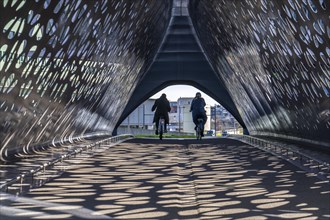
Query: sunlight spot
{"x": 109, "y": 206}
{"x": 323, "y": 182}
{"x": 285, "y": 185}
{"x": 47, "y": 193}
{"x": 136, "y": 190}
{"x": 114, "y": 197}
{"x": 118, "y": 173}
{"x": 98, "y": 181}
{"x": 46, "y": 189}
{"x": 247, "y": 193}
{"x": 142, "y": 213}
{"x": 24, "y": 206}
{"x": 253, "y": 217}
{"x": 265, "y": 172}
{"x": 122, "y": 185}
{"x": 209, "y": 209}
{"x": 76, "y": 194}
{"x": 167, "y": 190}
{"x": 258, "y": 201}
{"x": 281, "y": 180}
{"x": 309, "y": 218}
{"x": 281, "y": 194}
{"x": 169, "y": 201}
{"x": 310, "y": 209}
{"x": 62, "y": 207}
{"x": 133, "y": 200}
{"x": 206, "y": 196}
{"x": 140, "y": 177}
{"x": 79, "y": 190}
{"x": 88, "y": 170}
{"x": 220, "y": 204}
{"x": 243, "y": 184}
{"x": 272, "y": 205}
{"x": 65, "y": 184}
{"x": 227, "y": 212}
{"x": 29, "y": 213}
{"x": 58, "y": 216}
{"x": 294, "y": 215}
{"x": 162, "y": 180}
{"x": 83, "y": 186}
{"x": 115, "y": 194}
{"x": 68, "y": 179}
{"x": 169, "y": 196}
{"x": 66, "y": 200}
{"x": 45, "y": 197}
{"x": 106, "y": 212}
{"x": 188, "y": 212}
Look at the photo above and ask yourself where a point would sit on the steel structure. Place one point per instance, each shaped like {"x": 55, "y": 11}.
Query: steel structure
{"x": 74, "y": 68}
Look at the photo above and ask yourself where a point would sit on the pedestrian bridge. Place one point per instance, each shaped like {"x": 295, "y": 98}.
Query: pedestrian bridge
{"x": 215, "y": 178}
{"x": 72, "y": 71}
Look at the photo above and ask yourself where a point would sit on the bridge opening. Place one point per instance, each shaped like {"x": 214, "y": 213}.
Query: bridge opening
{"x": 220, "y": 122}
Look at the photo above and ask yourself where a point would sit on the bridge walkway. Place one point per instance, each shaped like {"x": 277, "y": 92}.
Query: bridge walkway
{"x": 175, "y": 179}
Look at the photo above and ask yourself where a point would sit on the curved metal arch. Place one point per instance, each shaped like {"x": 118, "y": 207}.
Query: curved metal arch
{"x": 180, "y": 60}
{"x": 211, "y": 87}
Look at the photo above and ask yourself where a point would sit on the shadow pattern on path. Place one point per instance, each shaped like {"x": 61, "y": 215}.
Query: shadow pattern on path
{"x": 176, "y": 179}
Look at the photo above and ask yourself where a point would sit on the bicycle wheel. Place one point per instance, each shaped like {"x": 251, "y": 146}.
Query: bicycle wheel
{"x": 200, "y": 129}
{"x": 161, "y": 133}
{"x": 161, "y": 128}
{"x": 198, "y": 133}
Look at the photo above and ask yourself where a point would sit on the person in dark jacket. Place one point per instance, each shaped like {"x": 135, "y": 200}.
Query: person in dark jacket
{"x": 162, "y": 107}
{"x": 197, "y": 109}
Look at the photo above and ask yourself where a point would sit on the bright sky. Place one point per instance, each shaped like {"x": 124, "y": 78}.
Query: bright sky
{"x": 173, "y": 93}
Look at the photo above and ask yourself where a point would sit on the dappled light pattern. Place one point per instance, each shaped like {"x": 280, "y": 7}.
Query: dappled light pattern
{"x": 171, "y": 179}
{"x": 273, "y": 57}
{"x": 65, "y": 65}
{"x": 33, "y": 170}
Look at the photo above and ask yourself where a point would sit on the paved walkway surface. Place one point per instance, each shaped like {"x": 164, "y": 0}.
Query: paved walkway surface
{"x": 175, "y": 179}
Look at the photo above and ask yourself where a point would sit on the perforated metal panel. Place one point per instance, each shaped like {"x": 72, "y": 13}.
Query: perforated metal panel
{"x": 69, "y": 67}
{"x": 274, "y": 59}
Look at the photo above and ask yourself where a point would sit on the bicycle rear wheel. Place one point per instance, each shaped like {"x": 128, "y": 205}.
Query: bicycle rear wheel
{"x": 199, "y": 129}
{"x": 161, "y": 133}
{"x": 198, "y": 133}
{"x": 161, "y": 128}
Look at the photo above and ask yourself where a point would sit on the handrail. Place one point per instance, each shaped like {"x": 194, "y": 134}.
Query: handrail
{"x": 111, "y": 140}
{"x": 13, "y": 153}
{"x": 298, "y": 158}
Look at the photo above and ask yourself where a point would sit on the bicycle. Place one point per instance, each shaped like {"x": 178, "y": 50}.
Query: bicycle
{"x": 199, "y": 128}
{"x": 161, "y": 127}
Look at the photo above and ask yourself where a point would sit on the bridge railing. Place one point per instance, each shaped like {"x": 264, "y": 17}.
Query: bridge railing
{"x": 297, "y": 157}
{"x": 27, "y": 178}
{"x": 9, "y": 154}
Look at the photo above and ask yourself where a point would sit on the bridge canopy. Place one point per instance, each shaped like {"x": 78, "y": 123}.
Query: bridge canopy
{"x": 76, "y": 68}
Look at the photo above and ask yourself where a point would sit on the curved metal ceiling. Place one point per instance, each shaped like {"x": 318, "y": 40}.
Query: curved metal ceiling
{"x": 71, "y": 68}
{"x": 181, "y": 60}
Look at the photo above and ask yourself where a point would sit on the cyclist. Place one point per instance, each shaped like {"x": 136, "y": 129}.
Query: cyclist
{"x": 162, "y": 107}
{"x": 197, "y": 109}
